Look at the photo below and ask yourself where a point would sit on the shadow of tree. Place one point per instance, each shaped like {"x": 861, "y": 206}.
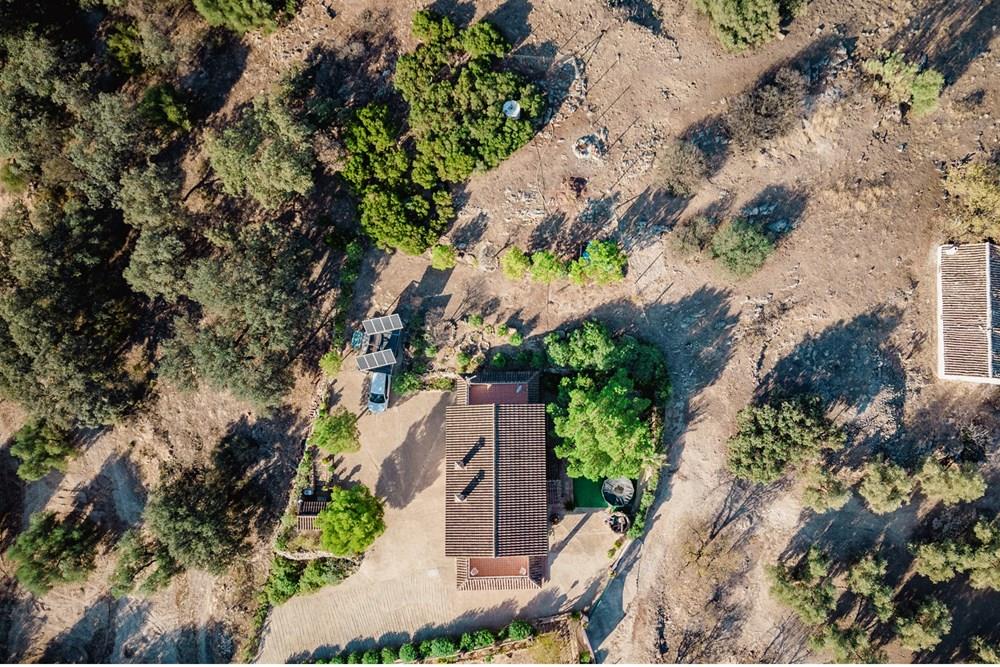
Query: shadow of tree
{"x": 512, "y": 19}
{"x": 218, "y": 65}
{"x": 416, "y": 463}
{"x": 951, "y": 34}
{"x": 777, "y": 209}
{"x": 648, "y": 216}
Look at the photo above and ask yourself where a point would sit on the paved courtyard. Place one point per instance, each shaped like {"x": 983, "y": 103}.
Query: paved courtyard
{"x": 405, "y": 587}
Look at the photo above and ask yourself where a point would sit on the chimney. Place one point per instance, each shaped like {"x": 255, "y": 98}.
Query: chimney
{"x": 460, "y": 497}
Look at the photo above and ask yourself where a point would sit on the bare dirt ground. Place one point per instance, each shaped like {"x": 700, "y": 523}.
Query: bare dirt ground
{"x": 845, "y": 307}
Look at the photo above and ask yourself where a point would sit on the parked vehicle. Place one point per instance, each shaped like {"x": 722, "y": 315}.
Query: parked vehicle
{"x": 378, "y": 394}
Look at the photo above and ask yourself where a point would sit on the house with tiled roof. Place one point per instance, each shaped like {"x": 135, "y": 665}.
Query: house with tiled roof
{"x": 496, "y": 511}
{"x": 968, "y": 280}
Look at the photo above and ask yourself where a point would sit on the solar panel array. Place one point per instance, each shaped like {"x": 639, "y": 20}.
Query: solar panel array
{"x": 386, "y": 324}
{"x": 373, "y": 360}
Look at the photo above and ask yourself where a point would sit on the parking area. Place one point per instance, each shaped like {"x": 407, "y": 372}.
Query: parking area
{"x": 405, "y": 587}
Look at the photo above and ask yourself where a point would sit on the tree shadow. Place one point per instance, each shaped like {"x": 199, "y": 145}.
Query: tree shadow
{"x": 512, "y": 19}
{"x": 458, "y": 11}
{"x": 416, "y": 463}
{"x": 648, "y": 216}
{"x": 219, "y": 64}
{"x": 11, "y": 498}
{"x": 950, "y": 34}
{"x": 777, "y": 209}
{"x": 469, "y": 233}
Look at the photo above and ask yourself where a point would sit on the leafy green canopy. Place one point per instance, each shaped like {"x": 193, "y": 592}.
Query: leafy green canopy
{"x": 41, "y": 448}
{"x": 867, "y": 579}
{"x": 901, "y": 82}
{"x": 742, "y": 24}
{"x": 52, "y": 552}
{"x": 975, "y": 189}
{"x": 336, "y": 432}
{"x": 741, "y": 246}
{"x": 141, "y": 562}
{"x": 240, "y": 16}
{"x": 603, "y": 427}
{"x": 455, "y": 115}
{"x": 886, "y": 486}
{"x": 351, "y": 521}
{"x": 951, "y": 483}
{"x": 978, "y": 555}
{"x": 266, "y": 154}
{"x": 806, "y": 587}
{"x": 926, "y": 628}
{"x": 773, "y": 437}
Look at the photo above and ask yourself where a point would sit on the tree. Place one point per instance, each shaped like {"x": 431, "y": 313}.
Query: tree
{"x": 604, "y": 431}
{"x": 976, "y": 554}
{"x": 330, "y": 363}
{"x": 283, "y": 580}
{"x": 266, "y": 154}
{"x": 104, "y": 140}
{"x": 741, "y": 247}
{"x": 985, "y": 651}
{"x": 443, "y": 257}
{"x": 742, "y": 24}
{"x": 773, "y": 437}
{"x": 824, "y": 491}
{"x": 805, "y": 587}
{"x": 680, "y": 167}
{"x": 191, "y": 514}
{"x": 975, "y": 189}
{"x": 351, "y": 521}
{"x": 852, "y": 645}
{"x": 52, "y": 552}
{"x": 408, "y": 653}
{"x": 337, "y": 432}
{"x": 546, "y": 267}
{"x": 514, "y": 263}
{"x": 41, "y": 448}
{"x": 769, "y": 110}
{"x": 867, "y": 579}
{"x": 519, "y": 629}
{"x": 240, "y": 16}
{"x": 605, "y": 264}
{"x": 926, "y": 628}
{"x": 951, "y": 483}
{"x": 322, "y": 572}
{"x": 886, "y": 486}
{"x": 141, "y": 562}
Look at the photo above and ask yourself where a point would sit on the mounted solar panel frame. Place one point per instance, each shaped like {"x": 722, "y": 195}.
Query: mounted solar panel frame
{"x": 375, "y": 360}
{"x": 380, "y": 325}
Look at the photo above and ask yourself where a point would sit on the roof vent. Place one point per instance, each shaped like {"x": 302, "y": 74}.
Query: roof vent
{"x": 459, "y": 465}
{"x": 460, "y": 497}
{"x": 473, "y": 572}
{"x": 950, "y": 249}
{"x": 520, "y": 388}
{"x": 523, "y": 572}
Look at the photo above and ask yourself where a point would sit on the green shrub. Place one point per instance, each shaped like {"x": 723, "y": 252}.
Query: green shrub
{"x": 774, "y": 437}
{"x": 903, "y": 83}
{"x": 975, "y": 189}
{"x": 952, "y": 483}
{"x": 926, "y": 628}
{"x": 141, "y": 563}
{"x": 283, "y": 580}
{"x": 14, "y": 180}
{"x": 519, "y": 629}
{"x": 515, "y": 263}
{"x": 164, "y": 107}
{"x": 336, "y": 432}
{"x": 886, "y": 486}
{"x": 370, "y": 657}
{"x": 606, "y": 264}
{"x": 444, "y": 257}
{"x": 351, "y": 521}
{"x": 516, "y": 339}
{"x": 499, "y": 360}
{"x": 408, "y": 653}
{"x": 240, "y": 16}
{"x": 680, "y": 168}
{"x": 438, "y": 647}
{"x": 330, "y": 363}
{"x": 742, "y": 24}
{"x": 502, "y": 330}
{"x": 975, "y": 554}
{"x": 125, "y": 47}
{"x": 408, "y": 383}
{"x": 474, "y": 320}
{"x": 867, "y": 579}
{"x": 354, "y": 658}
{"x": 51, "y": 551}
{"x": 824, "y": 491}
{"x": 476, "y": 640}
{"x": 41, "y": 447}
{"x": 741, "y": 247}
{"x": 546, "y": 267}
{"x": 323, "y": 572}
{"x": 805, "y": 588}
{"x": 694, "y": 235}
{"x": 852, "y": 645}
{"x": 389, "y": 655}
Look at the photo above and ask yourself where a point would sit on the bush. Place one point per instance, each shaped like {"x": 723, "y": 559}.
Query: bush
{"x": 499, "y": 360}
{"x": 370, "y": 657}
{"x": 41, "y": 448}
{"x": 805, "y": 588}
{"x": 125, "y": 47}
{"x": 824, "y": 491}
{"x": 941, "y": 561}
{"x": 283, "y": 580}
{"x": 14, "y": 180}
{"x": 476, "y": 640}
{"x": 886, "y": 486}
{"x": 444, "y": 257}
{"x": 389, "y": 655}
{"x": 330, "y": 363}
{"x": 867, "y": 579}
{"x": 768, "y": 111}
{"x": 514, "y": 263}
{"x": 900, "y": 82}
{"x": 351, "y": 521}
{"x": 680, "y": 168}
{"x": 408, "y": 653}
{"x": 605, "y": 264}
{"x": 52, "y": 552}
{"x": 336, "y": 432}
{"x": 240, "y": 16}
{"x": 438, "y": 647}
{"x": 163, "y": 106}
{"x": 519, "y": 629}
{"x": 952, "y": 483}
{"x": 694, "y": 235}
{"x": 546, "y": 267}
{"x": 741, "y": 247}
{"x": 852, "y": 645}
{"x": 322, "y": 572}
{"x": 474, "y": 320}
{"x": 975, "y": 188}
{"x": 985, "y": 652}
{"x": 140, "y": 560}
{"x": 742, "y": 24}
{"x": 409, "y": 383}
{"x": 516, "y": 339}
{"x": 773, "y": 437}
{"x": 926, "y": 628}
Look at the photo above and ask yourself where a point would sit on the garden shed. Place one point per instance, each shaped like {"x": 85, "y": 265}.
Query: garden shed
{"x": 968, "y": 309}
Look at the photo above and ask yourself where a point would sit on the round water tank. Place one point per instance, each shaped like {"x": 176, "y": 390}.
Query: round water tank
{"x": 617, "y": 492}
{"x": 512, "y": 109}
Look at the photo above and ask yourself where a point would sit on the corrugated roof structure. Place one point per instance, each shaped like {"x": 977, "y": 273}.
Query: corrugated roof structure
{"x": 306, "y": 515}
{"x": 968, "y": 312}
{"x": 501, "y": 387}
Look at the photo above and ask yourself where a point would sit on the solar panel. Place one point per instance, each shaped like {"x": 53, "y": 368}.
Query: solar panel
{"x": 373, "y": 360}
{"x": 378, "y": 325}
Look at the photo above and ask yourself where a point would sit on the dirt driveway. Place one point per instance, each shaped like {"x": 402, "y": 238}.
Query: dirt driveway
{"x": 406, "y": 586}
